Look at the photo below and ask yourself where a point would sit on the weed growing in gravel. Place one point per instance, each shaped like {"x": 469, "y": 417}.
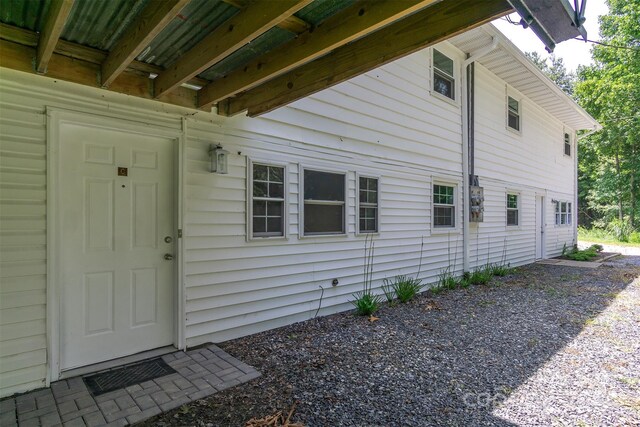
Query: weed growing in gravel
{"x": 365, "y": 302}
{"x": 406, "y": 287}
{"x": 446, "y": 279}
{"x": 387, "y": 288}
{"x": 500, "y": 270}
{"x": 480, "y": 276}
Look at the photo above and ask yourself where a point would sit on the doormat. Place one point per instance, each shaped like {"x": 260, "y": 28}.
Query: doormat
{"x": 126, "y": 376}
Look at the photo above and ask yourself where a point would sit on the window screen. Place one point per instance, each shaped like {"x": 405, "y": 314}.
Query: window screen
{"x": 324, "y": 202}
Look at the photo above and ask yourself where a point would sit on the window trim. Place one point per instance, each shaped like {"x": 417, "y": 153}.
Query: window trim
{"x": 444, "y": 50}
{"x": 557, "y": 213}
{"x": 456, "y": 206}
{"x": 345, "y": 218}
{"x": 249, "y": 199}
{"x": 366, "y": 233}
{"x": 567, "y": 141}
{"x": 519, "y": 113}
{"x": 517, "y": 209}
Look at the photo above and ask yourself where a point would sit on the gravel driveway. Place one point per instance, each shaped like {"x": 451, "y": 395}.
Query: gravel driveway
{"x": 544, "y": 346}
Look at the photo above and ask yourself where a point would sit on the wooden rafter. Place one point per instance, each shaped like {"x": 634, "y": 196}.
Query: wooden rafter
{"x": 53, "y": 26}
{"x": 151, "y": 21}
{"x": 20, "y": 57}
{"x": 292, "y": 23}
{"x": 80, "y": 52}
{"x": 239, "y": 30}
{"x": 413, "y": 33}
{"x": 356, "y": 21}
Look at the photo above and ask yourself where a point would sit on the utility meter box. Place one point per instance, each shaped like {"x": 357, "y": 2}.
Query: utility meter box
{"x": 476, "y": 204}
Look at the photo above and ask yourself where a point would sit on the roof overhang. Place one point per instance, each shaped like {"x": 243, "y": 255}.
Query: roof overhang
{"x": 508, "y": 63}
{"x": 238, "y": 55}
{"x": 552, "y": 21}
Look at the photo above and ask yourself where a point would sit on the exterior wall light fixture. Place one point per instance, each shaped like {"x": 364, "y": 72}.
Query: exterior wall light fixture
{"x": 218, "y": 157}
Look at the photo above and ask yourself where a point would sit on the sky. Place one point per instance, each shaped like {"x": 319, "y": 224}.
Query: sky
{"x": 573, "y": 52}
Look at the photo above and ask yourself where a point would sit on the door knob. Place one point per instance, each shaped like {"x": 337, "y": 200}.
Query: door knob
{"x": 168, "y": 257}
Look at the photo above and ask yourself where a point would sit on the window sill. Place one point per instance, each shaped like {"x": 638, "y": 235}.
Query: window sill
{"x": 514, "y": 227}
{"x": 514, "y": 131}
{"x": 371, "y": 233}
{"x": 444, "y": 98}
{"x": 444, "y": 230}
{"x": 264, "y": 238}
{"x": 313, "y": 236}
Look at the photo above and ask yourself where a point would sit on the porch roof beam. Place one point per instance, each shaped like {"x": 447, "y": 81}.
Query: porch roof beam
{"x": 58, "y": 13}
{"x": 356, "y": 21}
{"x": 415, "y": 32}
{"x": 151, "y": 21}
{"x": 245, "y": 26}
{"x": 291, "y": 23}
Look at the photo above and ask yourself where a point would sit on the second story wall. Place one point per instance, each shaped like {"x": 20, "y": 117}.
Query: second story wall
{"x": 533, "y": 157}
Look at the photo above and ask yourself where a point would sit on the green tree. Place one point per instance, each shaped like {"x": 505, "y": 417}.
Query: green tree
{"x": 609, "y": 169}
{"x": 555, "y": 69}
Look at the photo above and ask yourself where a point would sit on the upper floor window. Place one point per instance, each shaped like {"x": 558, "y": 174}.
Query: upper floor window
{"x": 443, "y": 80}
{"x": 567, "y": 144}
{"x": 324, "y": 202}
{"x": 512, "y": 209}
{"x": 513, "y": 113}
{"x": 368, "y": 205}
{"x": 267, "y": 200}
{"x": 444, "y": 208}
{"x": 563, "y": 213}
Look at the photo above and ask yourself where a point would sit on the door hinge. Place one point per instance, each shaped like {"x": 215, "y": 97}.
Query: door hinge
{"x": 179, "y": 233}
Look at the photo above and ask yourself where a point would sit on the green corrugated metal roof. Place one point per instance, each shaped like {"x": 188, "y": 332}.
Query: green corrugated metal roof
{"x": 263, "y": 44}
{"x": 195, "y": 21}
{"x": 100, "y": 23}
{"x": 24, "y": 14}
{"x": 320, "y": 10}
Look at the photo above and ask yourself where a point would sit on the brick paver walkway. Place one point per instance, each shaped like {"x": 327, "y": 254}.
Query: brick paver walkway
{"x": 199, "y": 373}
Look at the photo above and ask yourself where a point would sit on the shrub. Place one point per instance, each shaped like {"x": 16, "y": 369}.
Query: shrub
{"x": 406, "y": 287}
{"x": 583, "y": 255}
{"x": 366, "y": 303}
{"x": 634, "y": 237}
{"x": 598, "y": 248}
{"x": 621, "y": 230}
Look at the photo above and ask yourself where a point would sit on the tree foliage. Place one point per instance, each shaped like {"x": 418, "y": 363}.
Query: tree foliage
{"x": 555, "y": 69}
{"x": 609, "y": 160}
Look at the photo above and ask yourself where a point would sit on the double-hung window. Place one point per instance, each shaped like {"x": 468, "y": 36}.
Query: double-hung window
{"x": 513, "y": 113}
{"x": 324, "y": 202}
{"x": 563, "y": 213}
{"x": 367, "y": 204}
{"x": 512, "y": 209}
{"x": 443, "y": 78}
{"x": 567, "y": 144}
{"x": 267, "y": 200}
{"x": 444, "y": 209}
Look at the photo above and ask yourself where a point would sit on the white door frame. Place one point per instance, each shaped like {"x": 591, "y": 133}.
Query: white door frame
{"x": 540, "y": 226}
{"x": 56, "y": 116}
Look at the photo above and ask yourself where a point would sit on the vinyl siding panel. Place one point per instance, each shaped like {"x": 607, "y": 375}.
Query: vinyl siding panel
{"x": 22, "y": 246}
{"x": 385, "y": 123}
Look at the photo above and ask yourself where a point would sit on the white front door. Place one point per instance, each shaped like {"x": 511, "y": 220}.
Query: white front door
{"x": 116, "y": 207}
{"x": 540, "y": 227}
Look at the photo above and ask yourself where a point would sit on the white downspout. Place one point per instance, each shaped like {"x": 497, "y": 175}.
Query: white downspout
{"x": 465, "y": 150}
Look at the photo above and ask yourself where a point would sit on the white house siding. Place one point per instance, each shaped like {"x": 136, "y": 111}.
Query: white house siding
{"x": 530, "y": 163}
{"x": 22, "y": 246}
{"x": 385, "y": 123}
